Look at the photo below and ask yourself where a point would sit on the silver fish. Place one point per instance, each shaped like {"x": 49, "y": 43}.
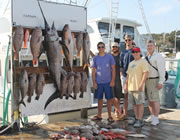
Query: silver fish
{"x": 84, "y": 82}
{"x": 32, "y": 86}
{"x": 40, "y": 85}
{"x": 24, "y": 84}
{"x": 79, "y": 43}
{"x": 86, "y": 50}
{"x": 18, "y": 39}
{"x": 77, "y": 84}
{"x": 67, "y": 46}
{"x": 35, "y": 43}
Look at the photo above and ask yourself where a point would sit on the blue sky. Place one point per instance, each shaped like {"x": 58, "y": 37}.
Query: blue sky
{"x": 162, "y": 15}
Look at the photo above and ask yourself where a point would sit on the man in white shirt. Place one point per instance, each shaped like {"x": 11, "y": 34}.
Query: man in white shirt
{"x": 154, "y": 82}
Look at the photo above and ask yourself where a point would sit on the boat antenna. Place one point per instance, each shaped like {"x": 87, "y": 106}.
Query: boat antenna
{"x": 145, "y": 20}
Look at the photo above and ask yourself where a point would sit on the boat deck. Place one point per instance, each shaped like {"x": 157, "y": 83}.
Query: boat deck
{"x": 168, "y": 129}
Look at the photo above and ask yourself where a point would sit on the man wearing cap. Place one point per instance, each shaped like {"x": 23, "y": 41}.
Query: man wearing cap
{"x": 135, "y": 82}
{"x": 125, "y": 58}
{"x": 103, "y": 76}
{"x": 154, "y": 82}
{"x": 117, "y": 89}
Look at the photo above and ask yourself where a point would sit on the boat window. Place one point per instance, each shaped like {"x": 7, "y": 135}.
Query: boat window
{"x": 103, "y": 29}
{"x": 128, "y": 30}
{"x": 89, "y": 29}
{"x": 4, "y": 22}
{"x": 118, "y": 31}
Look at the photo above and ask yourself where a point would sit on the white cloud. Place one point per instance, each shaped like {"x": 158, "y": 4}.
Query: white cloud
{"x": 162, "y": 9}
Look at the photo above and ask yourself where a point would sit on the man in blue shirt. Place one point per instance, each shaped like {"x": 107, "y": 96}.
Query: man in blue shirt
{"x": 103, "y": 76}
{"x": 125, "y": 58}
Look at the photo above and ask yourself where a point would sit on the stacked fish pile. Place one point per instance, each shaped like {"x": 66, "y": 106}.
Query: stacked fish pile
{"x": 65, "y": 82}
{"x": 99, "y": 131}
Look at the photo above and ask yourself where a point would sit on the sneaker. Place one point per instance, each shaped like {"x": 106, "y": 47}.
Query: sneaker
{"x": 132, "y": 121}
{"x": 149, "y": 119}
{"x": 155, "y": 121}
{"x": 139, "y": 123}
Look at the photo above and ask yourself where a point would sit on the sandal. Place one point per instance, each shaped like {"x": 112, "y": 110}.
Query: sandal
{"x": 96, "y": 118}
{"x": 110, "y": 120}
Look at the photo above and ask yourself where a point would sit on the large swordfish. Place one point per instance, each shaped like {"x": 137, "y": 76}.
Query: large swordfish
{"x": 53, "y": 52}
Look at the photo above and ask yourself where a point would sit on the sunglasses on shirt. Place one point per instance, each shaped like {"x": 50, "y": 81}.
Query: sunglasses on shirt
{"x": 100, "y": 47}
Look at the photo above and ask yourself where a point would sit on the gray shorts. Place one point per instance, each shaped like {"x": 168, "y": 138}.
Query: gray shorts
{"x": 136, "y": 97}
{"x": 123, "y": 81}
{"x": 151, "y": 90}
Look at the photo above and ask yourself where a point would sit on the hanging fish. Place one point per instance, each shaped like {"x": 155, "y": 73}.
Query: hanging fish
{"x": 32, "y": 86}
{"x": 40, "y": 85}
{"x": 77, "y": 84}
{"x": 26, "y": 37}
{"x": 84, "y": 82}
{"x": 79, "y": 43}
{"x": 18, "y": 37}
{"x": 35, "y": 43}
{"x": 23, "y": 84}
{"x": 86, "y": 50}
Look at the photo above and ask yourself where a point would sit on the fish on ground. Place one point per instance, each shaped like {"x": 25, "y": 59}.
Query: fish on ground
{"x": 84, "y": 82}
{"x": 40, "y": 85}
{"x": 79, "y": 43}
{"x": 26, "y": 37}
{"x": 23, "y": 84}
{"x": 86, "y": 50}
{"x": 32, "y": 86}
{"x": 18, "y": 38}
{"x": 77, "y": 84}
{"x": 35, "y": 43}
{"x": 67, "y": 46}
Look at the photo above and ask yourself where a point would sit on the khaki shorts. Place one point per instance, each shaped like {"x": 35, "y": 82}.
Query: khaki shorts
{"x": 151, "y": 91}
{"x": 136, "y": 97}
{"x": 123, "y": 81}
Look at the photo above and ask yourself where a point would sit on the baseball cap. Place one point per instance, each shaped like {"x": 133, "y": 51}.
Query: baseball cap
{"x": 136, "y": 49}
{"x": 115, "y": 44}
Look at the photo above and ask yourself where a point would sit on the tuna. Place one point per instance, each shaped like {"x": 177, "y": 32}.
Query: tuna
{"x": 39, "y": 85}
{"x": 86, "y": 50}
{"x": 77, "y": 84}
{"x": 35, "y": 43}
{"x": 67, "y": 46}
{"x": 18, "y": 38}
{"x": 79, "y": 43}
{"x": 32, "y": 86}
{"x": 84, "y": 82}
{"x": 23, "y": 84}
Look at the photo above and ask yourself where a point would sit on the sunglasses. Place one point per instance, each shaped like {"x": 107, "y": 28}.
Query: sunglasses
{"x": 100, "y": 47}
{"x": 114, "y": 46}
{"x": 135, "y": 52}
{"x": 127, "y": 40}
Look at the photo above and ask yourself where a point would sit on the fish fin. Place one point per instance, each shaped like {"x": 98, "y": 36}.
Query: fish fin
{"x": 29, "y": 99}
{"x": 54, "y": 96}
{"x": 37, "y": 97}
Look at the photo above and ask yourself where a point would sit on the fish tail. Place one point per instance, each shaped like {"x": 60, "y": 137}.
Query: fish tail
{"x": 16, "y": 56}
{"x": 54, "y": 96}
{"x": 22, "y": 102}
{"x": 37, "y": 97}
{"x": 24, "y": 44}
{"x": 29, "y": 99}
{"x": 35, "y": 61}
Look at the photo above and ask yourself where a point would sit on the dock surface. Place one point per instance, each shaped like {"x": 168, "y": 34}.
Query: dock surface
{"x": 168, "y": 129}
